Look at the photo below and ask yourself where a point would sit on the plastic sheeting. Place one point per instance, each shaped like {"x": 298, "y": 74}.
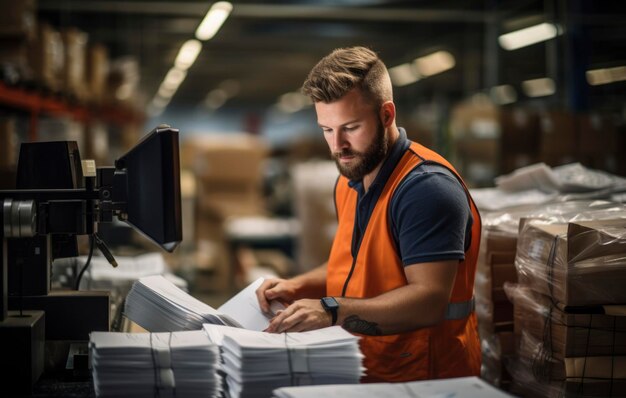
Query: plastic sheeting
{"x": 560, "y": 353}
{"x": 499, "y": 244}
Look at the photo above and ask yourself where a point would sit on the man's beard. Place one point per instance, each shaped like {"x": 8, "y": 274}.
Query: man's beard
{"x": 364, "y": 162}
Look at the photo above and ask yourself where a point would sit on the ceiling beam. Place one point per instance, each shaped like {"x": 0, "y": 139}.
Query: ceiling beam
{"x": 270, "y": 11}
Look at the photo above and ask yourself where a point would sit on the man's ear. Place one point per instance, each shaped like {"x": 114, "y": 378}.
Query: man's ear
{"x": 387, "y": 113}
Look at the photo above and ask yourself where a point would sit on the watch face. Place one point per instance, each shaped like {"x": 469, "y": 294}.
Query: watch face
{"x": 330, "y": 302}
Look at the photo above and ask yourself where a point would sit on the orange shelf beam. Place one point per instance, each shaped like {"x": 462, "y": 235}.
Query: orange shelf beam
{"x": 37, "y": 104}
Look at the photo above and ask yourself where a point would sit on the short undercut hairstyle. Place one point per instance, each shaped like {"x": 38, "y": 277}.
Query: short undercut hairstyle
{"x": 345, "y": 69}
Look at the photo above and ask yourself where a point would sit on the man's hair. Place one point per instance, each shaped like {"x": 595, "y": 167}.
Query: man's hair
{"x": 345, "y": 69}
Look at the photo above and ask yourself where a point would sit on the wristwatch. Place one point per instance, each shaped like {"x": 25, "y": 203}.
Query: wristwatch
{"x": 331, "y": 305}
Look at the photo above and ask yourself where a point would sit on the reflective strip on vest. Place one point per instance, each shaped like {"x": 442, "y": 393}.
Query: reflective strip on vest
{"x": 460, "y": 310}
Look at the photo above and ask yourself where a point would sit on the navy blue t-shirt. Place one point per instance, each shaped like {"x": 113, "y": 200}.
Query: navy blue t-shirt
{"x": 429, "y": 212}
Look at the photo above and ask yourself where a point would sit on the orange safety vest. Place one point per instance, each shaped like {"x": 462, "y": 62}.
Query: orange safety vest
{"x": 449, "y": 349}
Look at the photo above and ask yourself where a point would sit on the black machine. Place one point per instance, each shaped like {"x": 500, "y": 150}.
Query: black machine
{"x": 54, "y": 201}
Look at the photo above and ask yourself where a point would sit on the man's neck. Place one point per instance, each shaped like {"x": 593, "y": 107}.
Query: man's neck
{"x": 393, "y": 135}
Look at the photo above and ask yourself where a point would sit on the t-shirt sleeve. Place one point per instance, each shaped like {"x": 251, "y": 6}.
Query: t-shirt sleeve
{"x": 431, "y": 217}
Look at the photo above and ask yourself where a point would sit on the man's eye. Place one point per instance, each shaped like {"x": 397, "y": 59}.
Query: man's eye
{"x": 351, "y": 128}
{"x": 327, "y": 131}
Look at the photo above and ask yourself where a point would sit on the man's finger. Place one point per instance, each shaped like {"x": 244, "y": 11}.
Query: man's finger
{"x": 261, "y": 294}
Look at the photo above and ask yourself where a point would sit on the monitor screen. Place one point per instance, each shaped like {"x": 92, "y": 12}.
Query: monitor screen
{"x": 153, "y": 204}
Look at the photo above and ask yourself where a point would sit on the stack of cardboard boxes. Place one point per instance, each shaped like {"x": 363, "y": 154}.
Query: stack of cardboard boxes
{"x": 569, "y": 308}
{"x": 35, "y": 54}
{"x": 489, "y": 141}
{"x": 495, "y": 311}
{"x": 18, "y": 21}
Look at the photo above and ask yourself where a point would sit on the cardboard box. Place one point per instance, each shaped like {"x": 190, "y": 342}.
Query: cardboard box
{"x": 520, "y": 131}
{"x": 18, "y": 18}
{"x": 96, "y": 70}
{"x": 576, "y": 264}
{"x": 507, "y": 343}
{"x": 14, "y": 55}
{"x": 484, "y": 150}
{"x": 527, "y": 385}
{"x": 502, "y": 312}
{"x": 538, "y": 358}
{"x": 75, "y": 45}
{"x": 47, "y": 57}
{"x": 500, "y": 241}
{"x": 500, "y": 274}
{"x": 226, "y": 159}
{"x": 558, "y": 133}
{"x": 567, "y": 334}
{"x": 596, "y": 134}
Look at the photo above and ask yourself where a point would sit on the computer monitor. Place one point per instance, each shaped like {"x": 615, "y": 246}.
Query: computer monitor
{"x": 152, "y": 187}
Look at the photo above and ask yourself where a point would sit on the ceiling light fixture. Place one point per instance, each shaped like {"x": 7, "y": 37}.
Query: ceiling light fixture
{"x": 597, "y": 77}
{"x": 528, "y": 36}
{"x": 539, "y": 87}
{"x": 403, "y": 75}
{"x": 428, "y": 65}
{"x": 213, "y": 20}
{"x": 434, "y": 63}
{"x": 174, "y": 77}
{"x": 188, "y": 54}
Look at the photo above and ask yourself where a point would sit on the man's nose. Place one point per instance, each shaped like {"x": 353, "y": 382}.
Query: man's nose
{"x": 338, "y": 142}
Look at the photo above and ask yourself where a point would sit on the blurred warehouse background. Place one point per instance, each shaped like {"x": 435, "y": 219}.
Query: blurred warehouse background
{"x": 494, "y": 85}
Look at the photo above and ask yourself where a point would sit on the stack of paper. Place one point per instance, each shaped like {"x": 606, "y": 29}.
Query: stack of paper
{"x": 157, "y": 305}
{"x": 256, "y": 363}
{"x": 179, "y": 364}
{"x": 467, "y": 387}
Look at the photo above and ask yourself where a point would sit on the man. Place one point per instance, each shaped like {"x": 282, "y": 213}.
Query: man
{"x": 401, "y": 269}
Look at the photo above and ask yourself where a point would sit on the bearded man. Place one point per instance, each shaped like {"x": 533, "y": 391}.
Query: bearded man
{"x": 401, "y": 269}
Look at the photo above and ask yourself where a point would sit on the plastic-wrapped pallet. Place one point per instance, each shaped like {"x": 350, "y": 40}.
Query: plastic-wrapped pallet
{"x": 576, "y": 264}
{"x": 569, "y": 325}
{"x": 499, "y": 244}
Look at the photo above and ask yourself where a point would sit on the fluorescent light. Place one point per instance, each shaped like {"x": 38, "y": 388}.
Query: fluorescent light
{"x": 425, "y": 66}
{"x": 187, "y": 54}
{"x": 165, "y": 91}
{"x": 213, "y": 20}
{"x": 527, "y": 36}
{"x": 539, "y": 87}
{"x": 160, "y": 102}
{"x": 403, "y": 75}
{"x": 174, "y": 78}
{"x": 504, "y": 94}
{"x": 598, "y": 77}
{"x": 434, "y": 63}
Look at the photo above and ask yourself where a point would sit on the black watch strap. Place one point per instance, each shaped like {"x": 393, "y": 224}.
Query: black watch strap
{"x": 332, "y": 306}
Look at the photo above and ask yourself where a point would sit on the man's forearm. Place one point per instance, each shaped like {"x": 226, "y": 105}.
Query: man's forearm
{"x": 400, "y": 310}
{"x": 311, "y": 284}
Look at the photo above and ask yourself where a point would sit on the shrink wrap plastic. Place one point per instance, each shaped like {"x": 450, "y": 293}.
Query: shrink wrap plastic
{"x": 562, "y": 354}
{"x": 499, "y": 245}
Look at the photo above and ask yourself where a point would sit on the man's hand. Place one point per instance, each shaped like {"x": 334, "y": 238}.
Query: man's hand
{"x": 300, "y": 316}
{"x": 282, "y": 290}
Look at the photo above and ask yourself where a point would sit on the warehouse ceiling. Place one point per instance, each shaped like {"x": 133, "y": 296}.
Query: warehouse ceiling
{"x": 265, "y": 49}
